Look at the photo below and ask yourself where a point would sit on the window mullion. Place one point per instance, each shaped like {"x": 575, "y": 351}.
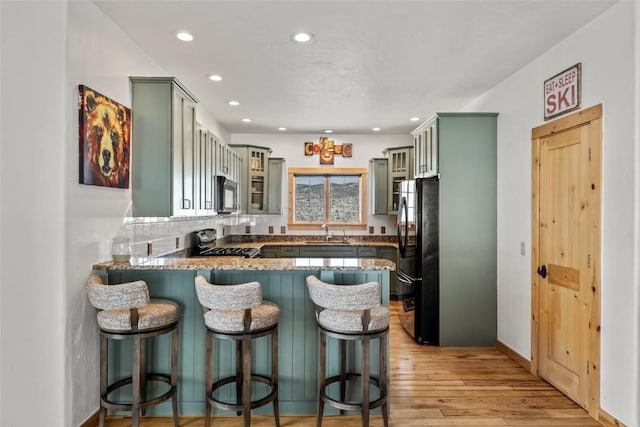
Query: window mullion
{"x": 327, "y": 199}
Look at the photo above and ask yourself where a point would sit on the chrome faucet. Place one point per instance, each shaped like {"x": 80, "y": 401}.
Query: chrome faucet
{"x": 325, "y": 227}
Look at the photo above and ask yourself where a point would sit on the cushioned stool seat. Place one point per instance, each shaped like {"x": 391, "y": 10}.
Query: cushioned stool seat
{"x": 127, "y": 312}
{"x": 264, "y": 316}
{"x": 157, "y": 314}
{"x": 238, "y": 313}
{"x": 350, "y": 321}
{"x": 351, "y": 313}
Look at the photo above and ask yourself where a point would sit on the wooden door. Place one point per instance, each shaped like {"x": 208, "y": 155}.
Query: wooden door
{"x": 566, "y": 255}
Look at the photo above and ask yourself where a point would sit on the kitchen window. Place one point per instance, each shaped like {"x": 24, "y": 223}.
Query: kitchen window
{"x": 334, "y": 197}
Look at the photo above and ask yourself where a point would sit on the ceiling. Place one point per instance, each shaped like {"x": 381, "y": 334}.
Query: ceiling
{"x": 374, "y": 63}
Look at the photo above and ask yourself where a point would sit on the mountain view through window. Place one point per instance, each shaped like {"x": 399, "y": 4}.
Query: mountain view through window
{"x": 332, "y": 198}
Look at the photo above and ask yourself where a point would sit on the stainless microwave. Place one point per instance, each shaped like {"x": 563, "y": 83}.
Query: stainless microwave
{"x": 227, "y": 195}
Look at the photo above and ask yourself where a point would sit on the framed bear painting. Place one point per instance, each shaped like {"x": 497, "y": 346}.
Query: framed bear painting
{"x": 105, "y": 140}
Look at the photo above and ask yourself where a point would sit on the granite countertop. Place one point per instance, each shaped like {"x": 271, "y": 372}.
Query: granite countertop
{"x": 240, "y": 263}
{"x": 259, "y": 241}
{"x": 182, "y": 262}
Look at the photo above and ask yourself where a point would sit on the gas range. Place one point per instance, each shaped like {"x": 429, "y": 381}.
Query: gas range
{"x": 204, "y": 244}
{"x": 230, "y": 251}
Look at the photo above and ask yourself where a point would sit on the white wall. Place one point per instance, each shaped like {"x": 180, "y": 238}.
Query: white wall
{"x": 606, "y": 49}
{"x": 291, "y": 148}
{"x": 101, "y": 57}
{"x": 636, "y": 299}
{"x": 33, "y": 134}
{"x": 1, "y": 223}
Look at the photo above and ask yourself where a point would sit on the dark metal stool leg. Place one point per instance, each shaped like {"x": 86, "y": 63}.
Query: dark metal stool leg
{"x": 143, "y": 373}
{"x": 104, "y": 371}
{"x": 246, "y": 379}
{"x": 366, "y": 358}
{"x": 383, "y": 377}
{"x": 175, "y": 341}
{"x": 322, "y": 362}
{"x": 139, "y": 378}
{"x": 274, "y": 375}
{"x": 243, "y": 377}
{"x": 239, "y": 367}
{"x": 343, "y": 372}
{"x": 135, "y": 381}
{"x": 208, "y": 378}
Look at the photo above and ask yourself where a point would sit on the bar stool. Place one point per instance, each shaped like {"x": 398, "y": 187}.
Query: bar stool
{"x": 238, "y": 313}
{"x": 351, "y": 313}
{"x": 127, "y": 312}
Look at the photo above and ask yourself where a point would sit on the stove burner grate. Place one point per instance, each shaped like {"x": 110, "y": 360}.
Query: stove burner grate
{"x": 231, "y": 251}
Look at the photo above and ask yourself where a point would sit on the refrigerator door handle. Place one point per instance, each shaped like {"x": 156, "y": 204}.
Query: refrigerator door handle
{"x": 406, "y": 279}
{"x": 402, "y": 243}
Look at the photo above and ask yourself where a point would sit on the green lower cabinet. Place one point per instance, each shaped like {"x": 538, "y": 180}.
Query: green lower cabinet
{"x": 270, "y": 252}
{"x": 289, "y": 251}
{"x": 297, "y": 342}
{"x": 367, "y": 252}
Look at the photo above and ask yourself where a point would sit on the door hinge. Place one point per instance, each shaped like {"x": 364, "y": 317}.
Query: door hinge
{"x": 589, "y": 261}
{"x": 589, "y": 153}
{"x": 587, "y": 366}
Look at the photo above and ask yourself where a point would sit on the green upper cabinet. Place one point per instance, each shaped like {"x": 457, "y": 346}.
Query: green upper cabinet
{"x": 275, "y": 179}
{"x": 400, "y": 168}
{"x": 378, "y": 185}
{"x": 254, "y": 178}
{"x": 205, "y": 171}
{"x": 228, "y": 161}
{"x": 163, "y": 163}
{"x": 425, "y": 142}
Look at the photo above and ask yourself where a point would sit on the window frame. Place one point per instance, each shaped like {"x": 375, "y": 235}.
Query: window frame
{"x": 361, "y": 224}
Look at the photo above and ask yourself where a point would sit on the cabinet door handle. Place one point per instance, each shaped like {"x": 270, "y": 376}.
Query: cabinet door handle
{"x": 186, "y": 204}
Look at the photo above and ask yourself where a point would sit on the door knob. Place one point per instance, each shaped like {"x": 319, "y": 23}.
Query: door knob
{"x": 542, "y": 271}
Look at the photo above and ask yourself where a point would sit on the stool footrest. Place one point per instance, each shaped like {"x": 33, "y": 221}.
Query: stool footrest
{"x": 126, "y": 406}
{"x": 382, "y": 400}
{"x": 235, "y": 406}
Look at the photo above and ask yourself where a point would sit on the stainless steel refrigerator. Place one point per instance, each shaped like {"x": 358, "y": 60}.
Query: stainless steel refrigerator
{"x": 454, "y": 307}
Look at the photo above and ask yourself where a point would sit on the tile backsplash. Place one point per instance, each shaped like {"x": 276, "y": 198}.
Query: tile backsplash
{"x": 152, "y": 237}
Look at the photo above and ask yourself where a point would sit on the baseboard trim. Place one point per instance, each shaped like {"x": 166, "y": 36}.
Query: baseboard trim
{"x": 92, "y": 421}
{"x": 526, "y": 364}
{"x": 607, "y": 420}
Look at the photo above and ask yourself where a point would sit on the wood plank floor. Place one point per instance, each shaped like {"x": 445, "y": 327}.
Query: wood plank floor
{"x": 433, "y": 386}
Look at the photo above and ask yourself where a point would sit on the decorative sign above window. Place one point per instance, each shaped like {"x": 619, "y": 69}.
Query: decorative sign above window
{"x": 562, "y": 92}
{"x": 327, "y": 149}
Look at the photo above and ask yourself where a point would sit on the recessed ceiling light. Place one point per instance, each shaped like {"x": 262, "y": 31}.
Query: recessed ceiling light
{"x": 415, "y": 119}
{"x": 246, "y": 120}
{"x": 234, "y": 103}
{"x": 282, "y": 129}
{"x": 215, "y": 77}
{"x": 375, "y": 129}
{"x": 185, "y": 37}
{"x": 303, "y": 37}
{"x": 328, "y": 131}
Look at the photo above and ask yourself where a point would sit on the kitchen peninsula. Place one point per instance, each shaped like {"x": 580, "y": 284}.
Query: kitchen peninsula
{"x": 283, "y": 282}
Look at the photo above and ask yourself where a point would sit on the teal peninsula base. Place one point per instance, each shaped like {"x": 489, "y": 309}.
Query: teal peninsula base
{"x": 298, "y": 336}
